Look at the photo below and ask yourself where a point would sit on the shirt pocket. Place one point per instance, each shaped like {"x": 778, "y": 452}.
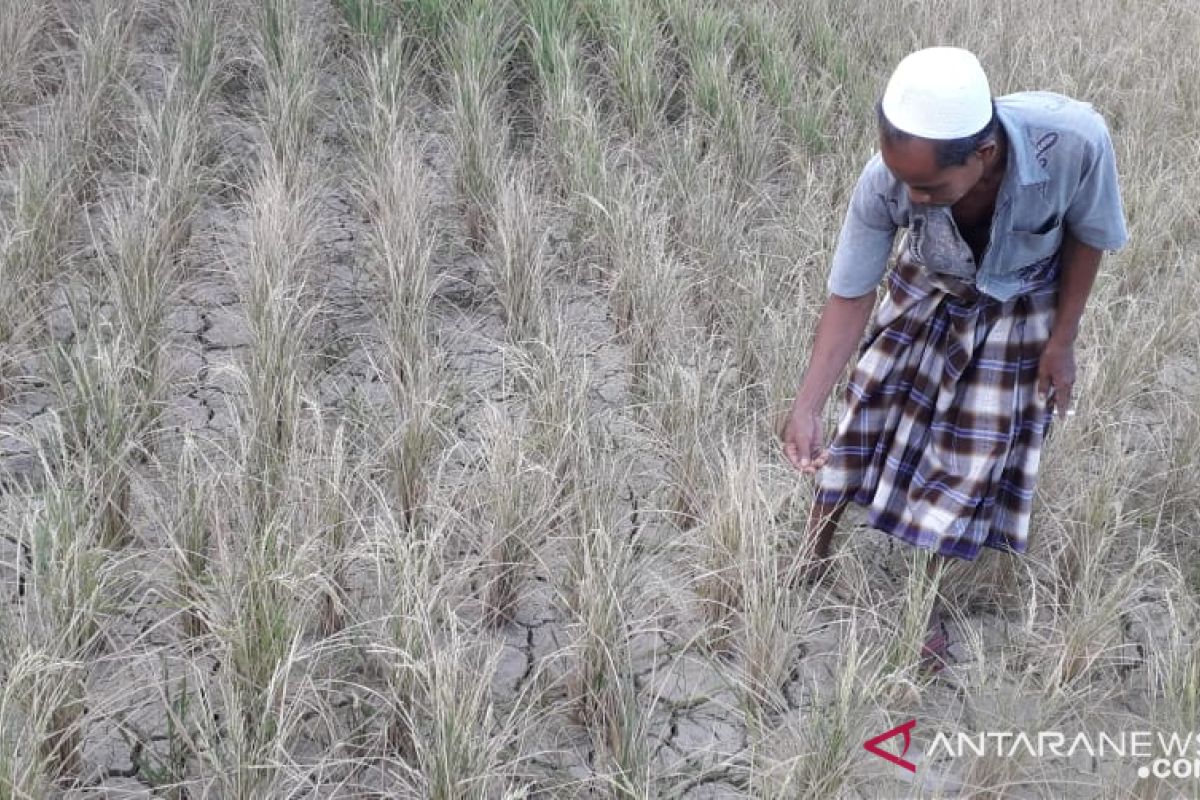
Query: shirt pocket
{"x": 1037, "y": 221}
{"x": 1029, "y": 246}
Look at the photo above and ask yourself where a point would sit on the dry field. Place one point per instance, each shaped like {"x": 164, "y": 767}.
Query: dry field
{"x": 391, "y": 394}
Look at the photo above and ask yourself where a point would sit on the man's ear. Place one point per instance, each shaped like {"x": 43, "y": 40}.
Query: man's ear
{"x": 987, "y": 150}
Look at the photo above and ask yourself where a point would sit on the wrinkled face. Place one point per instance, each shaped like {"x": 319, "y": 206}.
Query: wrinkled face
{"x": 914, "y": 163}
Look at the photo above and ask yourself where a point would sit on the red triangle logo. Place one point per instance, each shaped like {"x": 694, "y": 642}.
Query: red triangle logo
{"x": 872, "y": 745}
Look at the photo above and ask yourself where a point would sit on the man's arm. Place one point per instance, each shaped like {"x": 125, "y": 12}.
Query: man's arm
{"x": 1079, "y": 265}
{"x": 859, "y": 262}
{"x": 839, "y": 331}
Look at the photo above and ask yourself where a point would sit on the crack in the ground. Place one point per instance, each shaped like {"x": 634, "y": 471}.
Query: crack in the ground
{"x": 672, "y": 731}
{"x": 207, "y": 346}
{"x": 793, "y": 678}
{"x": 35, "y": 414}
{"x": 529, "y": 661}
{"x": 194, "y": 394}
{"x": 206, "y": 325}
{"x": 710, "y": 776}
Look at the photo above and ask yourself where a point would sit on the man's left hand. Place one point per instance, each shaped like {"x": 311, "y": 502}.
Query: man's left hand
{"x": 1056, "y": 371}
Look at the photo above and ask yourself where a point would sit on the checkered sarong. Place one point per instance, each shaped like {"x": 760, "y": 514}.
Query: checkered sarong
{"x": 943, "y": 430}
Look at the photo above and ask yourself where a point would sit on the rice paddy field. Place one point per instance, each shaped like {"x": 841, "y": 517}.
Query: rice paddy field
{"x": 391, "y": 396}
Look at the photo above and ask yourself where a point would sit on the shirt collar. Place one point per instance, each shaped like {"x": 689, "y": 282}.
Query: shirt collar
{"x": 1020, "y": 150}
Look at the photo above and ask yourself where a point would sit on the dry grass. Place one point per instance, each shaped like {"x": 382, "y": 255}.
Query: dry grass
{"x": 389, "y": 396}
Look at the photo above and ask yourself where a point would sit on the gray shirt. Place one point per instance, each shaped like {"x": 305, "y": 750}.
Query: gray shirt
{"x": 1061, "y": 174}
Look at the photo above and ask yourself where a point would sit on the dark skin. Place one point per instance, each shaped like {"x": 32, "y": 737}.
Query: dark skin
{"x": 970, "y": 189}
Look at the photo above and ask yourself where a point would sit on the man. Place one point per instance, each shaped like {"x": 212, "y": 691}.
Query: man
{"x": 1008, "y": 204}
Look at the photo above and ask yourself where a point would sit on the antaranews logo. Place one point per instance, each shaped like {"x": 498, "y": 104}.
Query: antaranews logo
{"x": 1169, "y": 759}
{"x": 905, "y": 730}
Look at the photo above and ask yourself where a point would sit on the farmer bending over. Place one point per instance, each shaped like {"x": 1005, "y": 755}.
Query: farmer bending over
{"x": 1007, "y": 205}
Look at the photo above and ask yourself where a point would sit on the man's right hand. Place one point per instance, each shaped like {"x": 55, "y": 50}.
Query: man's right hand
{"x": 803, "y": 440}
{"x": 840, "y": 328}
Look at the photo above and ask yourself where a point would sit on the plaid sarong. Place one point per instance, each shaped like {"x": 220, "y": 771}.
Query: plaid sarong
{"x": 942, "y": 432}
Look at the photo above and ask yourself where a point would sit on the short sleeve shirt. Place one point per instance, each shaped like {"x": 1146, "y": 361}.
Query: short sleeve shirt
{"x": 1061, "y": 175}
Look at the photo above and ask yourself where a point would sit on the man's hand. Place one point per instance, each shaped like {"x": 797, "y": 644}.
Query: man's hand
{"x": 841, "y": 326}
{"x": 1056, "y": 369}
{"x": 802, "y": 440}
{"x": 1056, "y": 375}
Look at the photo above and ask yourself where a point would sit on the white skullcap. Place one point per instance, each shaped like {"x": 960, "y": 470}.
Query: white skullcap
{"x": 938, "y": 93}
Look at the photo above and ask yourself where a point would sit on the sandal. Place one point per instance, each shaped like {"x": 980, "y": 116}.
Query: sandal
{"x": 935, "y": 653}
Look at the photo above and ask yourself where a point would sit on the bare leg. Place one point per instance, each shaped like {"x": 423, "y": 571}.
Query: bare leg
{"x": 935, "y": 653}
{"x": 822, "y": 524}
{"x": 933, "y": 569}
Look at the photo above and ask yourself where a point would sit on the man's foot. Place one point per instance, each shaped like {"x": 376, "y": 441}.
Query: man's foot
{"x": 807, "y": 572}
{"x": 935, "y": 653}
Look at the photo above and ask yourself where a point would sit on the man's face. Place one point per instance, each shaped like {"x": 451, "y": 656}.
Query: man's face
{"x": 914, "y": 163}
